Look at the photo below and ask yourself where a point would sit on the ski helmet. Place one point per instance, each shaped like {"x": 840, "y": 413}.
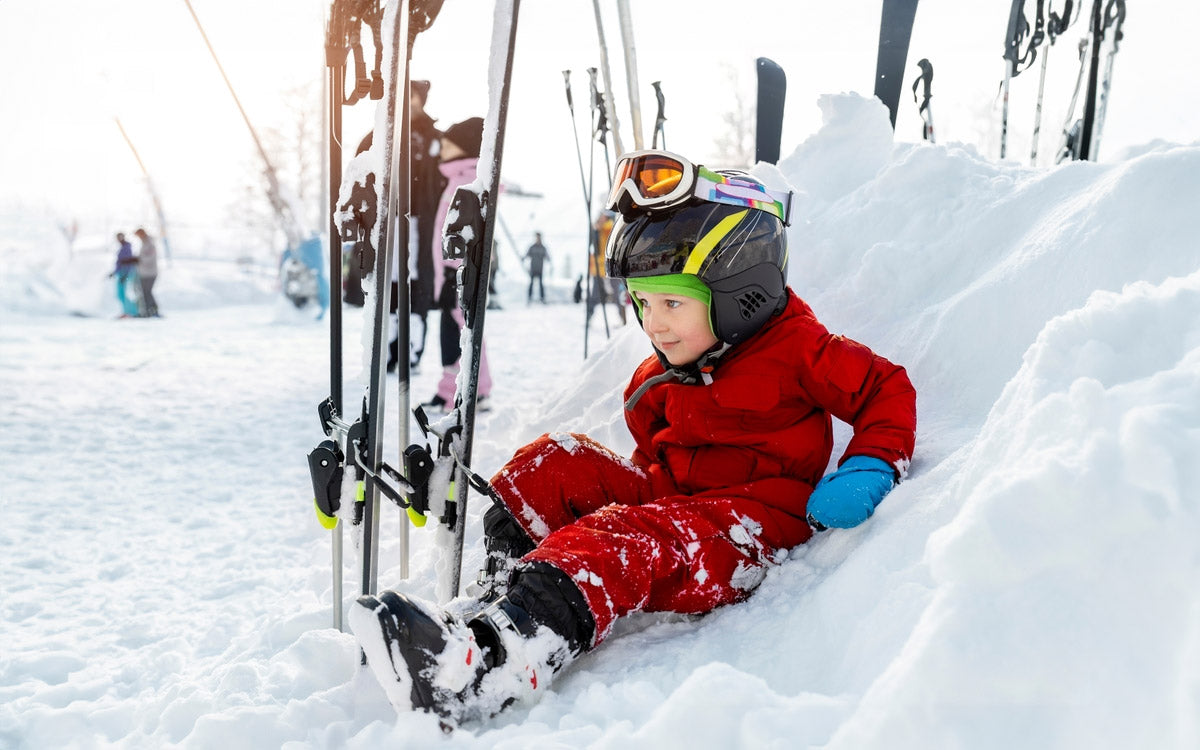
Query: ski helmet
{"x": 738, "y": 251}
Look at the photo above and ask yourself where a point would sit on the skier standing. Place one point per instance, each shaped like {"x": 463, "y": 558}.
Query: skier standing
{"x": 538, "y": 256}
{"x": 125, "y": 271}
{"x": 731, "y": 419}
{"x": 147, "y": 268}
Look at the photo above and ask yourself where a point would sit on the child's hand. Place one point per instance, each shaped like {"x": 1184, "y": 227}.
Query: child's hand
{"x": 848, "y": 496}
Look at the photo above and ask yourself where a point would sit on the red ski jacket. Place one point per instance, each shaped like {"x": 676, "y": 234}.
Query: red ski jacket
{"x": 762, "y": 428}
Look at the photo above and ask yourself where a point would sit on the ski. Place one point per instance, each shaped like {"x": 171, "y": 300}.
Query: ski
{"x": 375, "y": 220}
{"x": 469, "y": 232}
{"x": 895, "y": 30}
{"x": 772, "y": 89}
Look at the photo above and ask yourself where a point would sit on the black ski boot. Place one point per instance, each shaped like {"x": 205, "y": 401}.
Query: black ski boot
{"x": 473, "y": 667}
{"x": 506, "y": 543}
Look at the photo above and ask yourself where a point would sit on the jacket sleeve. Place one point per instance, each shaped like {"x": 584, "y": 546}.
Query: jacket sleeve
{"x": 647, "y": 412}
{"x": 866, "y": 391}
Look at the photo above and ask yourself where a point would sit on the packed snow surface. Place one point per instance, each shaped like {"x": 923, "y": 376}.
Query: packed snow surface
{"x": 1035, "y": 583}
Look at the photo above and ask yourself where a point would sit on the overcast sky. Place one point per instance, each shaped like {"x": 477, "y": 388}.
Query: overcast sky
{"x": 68, "y": 68}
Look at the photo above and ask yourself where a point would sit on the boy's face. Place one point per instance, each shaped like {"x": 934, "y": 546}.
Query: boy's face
{"x": 677, "y": 325}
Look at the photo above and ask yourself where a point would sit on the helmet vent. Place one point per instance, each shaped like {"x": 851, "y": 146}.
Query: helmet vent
{"x": 749, "y": 303}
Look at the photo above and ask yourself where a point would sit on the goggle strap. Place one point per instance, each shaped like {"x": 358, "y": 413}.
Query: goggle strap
{"x": 716, "y": 188}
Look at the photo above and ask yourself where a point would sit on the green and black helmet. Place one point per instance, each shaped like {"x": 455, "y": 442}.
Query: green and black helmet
{"x": 727, "y": 230}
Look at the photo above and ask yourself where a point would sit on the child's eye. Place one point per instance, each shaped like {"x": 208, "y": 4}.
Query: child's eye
{"x": 673, "y": 303}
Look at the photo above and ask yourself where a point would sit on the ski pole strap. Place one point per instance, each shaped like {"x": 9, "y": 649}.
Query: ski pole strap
{"x": 1114, "y": 17}
{"x": 480, "y": 484}
{"x": 926, "y": 77}
{"x": 1018, "y": 28}
{"x": 1058, "y": 24}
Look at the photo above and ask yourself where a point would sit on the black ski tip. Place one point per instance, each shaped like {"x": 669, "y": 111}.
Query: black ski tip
{"x": 772, "y": 90}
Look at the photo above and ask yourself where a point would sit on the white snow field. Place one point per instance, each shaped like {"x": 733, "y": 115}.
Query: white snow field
{"x": 1035, "y": 583}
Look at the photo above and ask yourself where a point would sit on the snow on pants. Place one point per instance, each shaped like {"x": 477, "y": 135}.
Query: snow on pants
{"x": 594, "y": 516}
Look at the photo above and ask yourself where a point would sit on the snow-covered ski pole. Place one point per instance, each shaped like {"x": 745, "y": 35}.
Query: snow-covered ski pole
{"x": 470, "y": 227}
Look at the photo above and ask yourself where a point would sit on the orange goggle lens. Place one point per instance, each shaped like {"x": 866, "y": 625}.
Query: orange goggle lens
{"x": 652, "y": 176}
{"x": 656, "y": 176}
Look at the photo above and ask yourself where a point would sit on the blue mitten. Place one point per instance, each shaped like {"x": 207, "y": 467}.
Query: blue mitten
{"x": 848, "y": 496}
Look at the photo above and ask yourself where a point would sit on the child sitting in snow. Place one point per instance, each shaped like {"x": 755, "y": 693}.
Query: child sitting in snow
{"x": 731, "y": 420}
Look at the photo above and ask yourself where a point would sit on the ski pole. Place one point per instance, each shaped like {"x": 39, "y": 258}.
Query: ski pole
{"x": 336, "y": 63}
{"x": 594, "y": 236}
{"x": 587, "y": 207}
{"x": 1037, "y": 111}
{"x": 599, "y": 116}
{"x": 1114, "y": 18}
{"x": 1054, "y": 28}
{"x": 1089, "y": 99}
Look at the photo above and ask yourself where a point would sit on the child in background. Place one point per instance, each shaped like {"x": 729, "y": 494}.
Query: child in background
{"x": 459, "y": 159}
{"x": 731, "y": 419}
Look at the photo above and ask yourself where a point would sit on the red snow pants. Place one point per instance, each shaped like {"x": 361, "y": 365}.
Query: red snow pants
{"x": 594, "y": 516}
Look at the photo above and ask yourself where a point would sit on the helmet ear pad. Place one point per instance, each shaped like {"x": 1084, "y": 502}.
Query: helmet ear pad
{"x": 743, "y": 302}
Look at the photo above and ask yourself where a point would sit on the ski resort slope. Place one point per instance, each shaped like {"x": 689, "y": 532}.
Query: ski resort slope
{"x": 1035, "y": 583}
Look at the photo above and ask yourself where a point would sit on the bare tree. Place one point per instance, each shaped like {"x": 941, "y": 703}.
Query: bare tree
{"x": 735, "y": 142}
{"x": 293, "y": 143}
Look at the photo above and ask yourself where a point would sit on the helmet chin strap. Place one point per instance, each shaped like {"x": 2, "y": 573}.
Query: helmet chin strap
{"x": 691, "y": 373}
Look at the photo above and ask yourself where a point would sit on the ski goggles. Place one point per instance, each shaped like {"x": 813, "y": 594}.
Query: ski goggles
{"x": 654, "y": 180}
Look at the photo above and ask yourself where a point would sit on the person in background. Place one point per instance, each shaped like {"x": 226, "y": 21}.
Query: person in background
{"x": 125, "y": 272}
{"x": 538, "y": 256}
{"x": 459, "y": 159}
{"x": 427, "y": 185}
{"x": 147, "y": 268}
